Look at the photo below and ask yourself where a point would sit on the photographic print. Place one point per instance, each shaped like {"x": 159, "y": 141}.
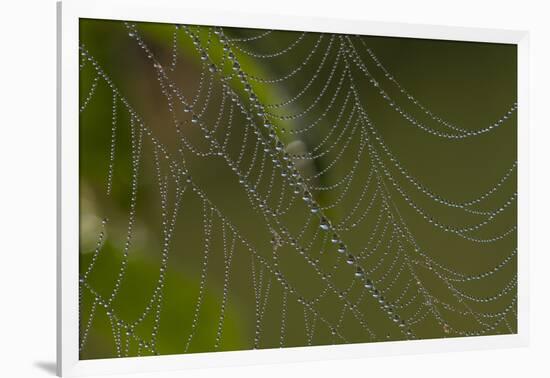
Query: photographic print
{"x": 247, "y": 189}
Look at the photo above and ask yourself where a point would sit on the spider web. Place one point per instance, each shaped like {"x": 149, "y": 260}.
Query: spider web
{"x": 317, "y": 232}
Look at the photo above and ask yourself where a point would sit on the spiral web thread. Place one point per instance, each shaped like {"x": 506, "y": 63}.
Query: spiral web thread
{"x": 385, "y": 275}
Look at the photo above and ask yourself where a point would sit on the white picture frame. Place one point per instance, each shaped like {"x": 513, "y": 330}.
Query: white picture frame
{"x": 173, "y": 11}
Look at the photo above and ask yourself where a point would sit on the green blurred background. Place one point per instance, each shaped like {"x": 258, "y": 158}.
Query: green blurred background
{"x": 470, "y": 84}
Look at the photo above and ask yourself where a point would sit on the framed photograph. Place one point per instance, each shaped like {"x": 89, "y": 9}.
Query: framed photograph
{"x": 248, "y": 188}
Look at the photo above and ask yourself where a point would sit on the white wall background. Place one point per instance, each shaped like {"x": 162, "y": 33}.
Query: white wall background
{"x": 27, "y": 187}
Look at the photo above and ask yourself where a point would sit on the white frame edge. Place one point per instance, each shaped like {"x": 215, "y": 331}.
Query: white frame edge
{"x": 168, "y": 11}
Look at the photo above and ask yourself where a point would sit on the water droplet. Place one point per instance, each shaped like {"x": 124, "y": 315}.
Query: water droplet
{"x": 324, "y": 224}
{"x": 342, "y": 248}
